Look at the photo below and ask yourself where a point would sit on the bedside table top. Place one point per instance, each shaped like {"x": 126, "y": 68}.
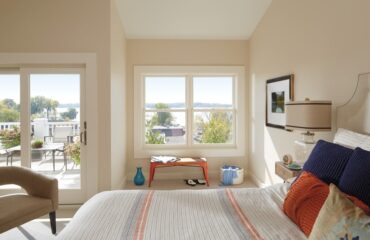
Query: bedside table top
{"x": 284, "y": 172}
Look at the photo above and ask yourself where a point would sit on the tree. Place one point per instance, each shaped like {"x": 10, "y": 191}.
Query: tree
{"x": 162, "y": 118}
{"x": 10, "y": 103}
{"x": 152, "y": 137}
{"x": 8, "y": 114}
{"x": 51, "y": 105}
{"x": 217, "y": 129}
{"x": 40, "y": 103}
{"x": 70, "y": 114}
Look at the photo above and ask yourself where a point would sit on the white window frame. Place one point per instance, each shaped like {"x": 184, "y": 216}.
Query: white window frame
{"x": 236, "y": 149}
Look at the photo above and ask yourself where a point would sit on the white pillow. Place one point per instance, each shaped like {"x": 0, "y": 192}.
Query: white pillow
{"x": 366, "y": 145}
{"x": 352, "y": 139}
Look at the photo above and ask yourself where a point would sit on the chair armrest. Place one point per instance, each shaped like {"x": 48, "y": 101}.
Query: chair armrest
{"x": 34, "y": 183}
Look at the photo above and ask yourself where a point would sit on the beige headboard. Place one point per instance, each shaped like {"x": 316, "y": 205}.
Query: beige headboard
{"x": 355, "y": 113}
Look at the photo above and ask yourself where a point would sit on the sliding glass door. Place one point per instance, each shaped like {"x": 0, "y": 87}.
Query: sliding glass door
{"x": 48, "y": 104}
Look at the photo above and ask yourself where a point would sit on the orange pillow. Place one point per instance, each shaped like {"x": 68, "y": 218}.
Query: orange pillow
{"x": 304, "y": 201}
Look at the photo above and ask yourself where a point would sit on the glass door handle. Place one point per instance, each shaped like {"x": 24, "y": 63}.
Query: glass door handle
{"x": 83, "y": 137}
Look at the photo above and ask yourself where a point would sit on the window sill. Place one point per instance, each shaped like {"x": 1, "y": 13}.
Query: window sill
{"x": 214, "y": 151}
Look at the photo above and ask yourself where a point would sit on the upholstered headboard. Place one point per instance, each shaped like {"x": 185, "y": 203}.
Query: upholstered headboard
{"x": 355, "y": 113}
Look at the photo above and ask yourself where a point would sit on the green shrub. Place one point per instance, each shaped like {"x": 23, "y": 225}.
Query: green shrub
{"x": 37, "y": 144}
{"x": 10, "y": 137}
{"x": 74, "y": 150}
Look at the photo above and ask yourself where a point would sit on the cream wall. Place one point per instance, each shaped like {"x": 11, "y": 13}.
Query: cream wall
{"x": 41, "y": 26}
{"x": 325, "y": 44}
{"x": 177, "y": 53}
{"x": 117, "y": 99}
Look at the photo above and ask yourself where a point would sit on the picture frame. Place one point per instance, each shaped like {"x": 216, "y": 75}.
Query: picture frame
{"x": 279, "y": 91}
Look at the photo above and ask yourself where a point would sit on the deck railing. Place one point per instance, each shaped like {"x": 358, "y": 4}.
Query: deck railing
{"x": 51, "y": 126}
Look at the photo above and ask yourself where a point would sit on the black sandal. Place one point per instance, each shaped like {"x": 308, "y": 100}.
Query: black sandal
{"x": 200, "y": 181}
{"x": 190, "y": 182}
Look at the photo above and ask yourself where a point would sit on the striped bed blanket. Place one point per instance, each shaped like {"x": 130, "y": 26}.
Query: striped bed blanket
{"x": 184, "y": 214}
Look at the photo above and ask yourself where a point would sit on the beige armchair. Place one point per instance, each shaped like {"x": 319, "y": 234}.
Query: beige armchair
{"x": 41, "y": 198}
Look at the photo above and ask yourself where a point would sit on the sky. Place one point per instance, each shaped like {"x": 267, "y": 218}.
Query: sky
{"x": 65, "y": 88}
{"x": 172, "y": 90}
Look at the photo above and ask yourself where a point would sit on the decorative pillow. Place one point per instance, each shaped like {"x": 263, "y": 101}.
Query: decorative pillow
{"x": 339, "y": 218}
{"x": 327, "y": 161}
{"x": 352, "y": 139}
{"x": 304, "y": 200}
{"x": 356, "y": 176}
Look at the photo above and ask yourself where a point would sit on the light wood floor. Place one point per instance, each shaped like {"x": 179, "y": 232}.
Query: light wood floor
{"x": 172, "y": 184}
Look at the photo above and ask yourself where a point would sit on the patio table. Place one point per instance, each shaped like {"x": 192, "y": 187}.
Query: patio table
{"x": 49, "y": 147}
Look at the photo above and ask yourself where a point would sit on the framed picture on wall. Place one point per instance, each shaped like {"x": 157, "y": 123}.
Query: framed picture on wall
{"x": 278, "y": 92}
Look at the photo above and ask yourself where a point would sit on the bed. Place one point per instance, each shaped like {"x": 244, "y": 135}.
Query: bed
{"x": 238, "y": 213}
{"x": 207, "y": 214}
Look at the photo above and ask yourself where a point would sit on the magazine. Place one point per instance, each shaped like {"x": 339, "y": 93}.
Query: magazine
{"x": 164, "y": 159}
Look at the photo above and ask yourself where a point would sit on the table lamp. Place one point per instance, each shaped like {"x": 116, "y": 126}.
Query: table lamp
{"x": 309, "y": 117}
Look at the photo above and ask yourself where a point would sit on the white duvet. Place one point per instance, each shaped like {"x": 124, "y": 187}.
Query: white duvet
{"x": 243, "y": 213}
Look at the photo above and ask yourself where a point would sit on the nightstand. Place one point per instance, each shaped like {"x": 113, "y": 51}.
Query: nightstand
{"x": 284, "y": 172}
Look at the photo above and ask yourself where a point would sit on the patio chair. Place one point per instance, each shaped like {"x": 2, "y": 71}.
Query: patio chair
{"x": 41, "y": 198}
{"x": 62, "y": 134}
{"x": 9, "y": 156}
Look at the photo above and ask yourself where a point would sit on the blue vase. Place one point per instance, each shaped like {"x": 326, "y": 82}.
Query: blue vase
{"x": 139, "y": 178}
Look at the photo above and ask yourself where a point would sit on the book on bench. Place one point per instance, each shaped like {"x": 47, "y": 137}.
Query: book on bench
{"x": 164, "y": 159}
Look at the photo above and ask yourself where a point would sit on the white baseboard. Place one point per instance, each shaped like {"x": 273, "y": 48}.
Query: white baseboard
{"x": 69, "y": 206}
{"x": 256, "y": 180}
{"x": 123, "y": 183}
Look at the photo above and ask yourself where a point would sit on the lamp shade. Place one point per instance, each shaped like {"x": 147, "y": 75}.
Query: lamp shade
{"x": 308, "y": 115}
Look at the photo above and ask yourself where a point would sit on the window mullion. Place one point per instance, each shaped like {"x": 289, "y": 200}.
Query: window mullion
{"x": 165, "y": 110}
{"x": 25, "y": 118}
{"x": 189, "y": 108}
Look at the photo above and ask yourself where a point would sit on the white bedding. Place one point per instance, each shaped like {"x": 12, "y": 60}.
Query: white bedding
{"x": 243, "y": 213}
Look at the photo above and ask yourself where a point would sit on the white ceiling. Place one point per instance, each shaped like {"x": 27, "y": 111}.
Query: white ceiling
{"x": 191, "y": 19}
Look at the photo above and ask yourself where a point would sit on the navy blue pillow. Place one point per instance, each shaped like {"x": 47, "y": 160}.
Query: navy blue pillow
{"x": 327, "y": 161}
{"x": 355, "y": 180}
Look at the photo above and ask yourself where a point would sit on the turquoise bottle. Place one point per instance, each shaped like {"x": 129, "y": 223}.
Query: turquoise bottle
{"x": 139, "y": 178}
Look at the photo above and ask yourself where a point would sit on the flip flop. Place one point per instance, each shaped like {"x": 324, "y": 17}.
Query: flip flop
{"x": 200, "y": 181}
{"x": 190, "y": 182}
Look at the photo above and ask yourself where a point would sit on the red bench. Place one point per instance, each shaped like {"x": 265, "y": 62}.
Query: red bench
{"x": 185, "y": 162}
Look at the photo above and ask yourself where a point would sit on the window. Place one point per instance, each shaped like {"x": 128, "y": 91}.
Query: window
{"x": 165, "y": 110}
{"x": 183, "y": 110}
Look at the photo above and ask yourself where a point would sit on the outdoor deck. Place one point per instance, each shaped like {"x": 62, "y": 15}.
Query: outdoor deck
{"x": 68, "y": 179}
{"x": 43, "y": 163}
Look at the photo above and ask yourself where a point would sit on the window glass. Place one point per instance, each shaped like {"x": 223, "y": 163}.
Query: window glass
{"x": 165, "y": 92}
{"x": 165, "y": 128}
{"x": 211, "y": 108}
{"x": 212, "y": 92}
{"x": 213, "y": 127}
{"x": 10, "y": 131}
